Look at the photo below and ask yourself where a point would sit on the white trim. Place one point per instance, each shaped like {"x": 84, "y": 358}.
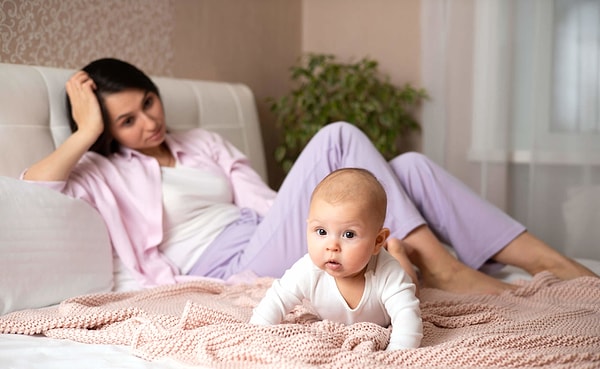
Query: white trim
{"x": 434, "y": 33}
{"x": 533, "y": 157}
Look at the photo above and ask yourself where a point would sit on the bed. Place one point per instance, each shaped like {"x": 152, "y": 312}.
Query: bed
{"x": 67, "y": 302}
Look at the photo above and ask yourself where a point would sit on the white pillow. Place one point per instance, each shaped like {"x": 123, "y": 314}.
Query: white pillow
{"x": 52, "y": 247}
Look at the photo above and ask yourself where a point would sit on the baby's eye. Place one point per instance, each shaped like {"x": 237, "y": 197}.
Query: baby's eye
{"x": 349, "y": 234}
{"x": 321, "y": 232}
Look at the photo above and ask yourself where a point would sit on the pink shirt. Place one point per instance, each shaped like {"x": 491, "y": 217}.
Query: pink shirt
{"x": 126, "y": 189}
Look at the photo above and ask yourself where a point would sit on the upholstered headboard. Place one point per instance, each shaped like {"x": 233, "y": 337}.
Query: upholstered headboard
{"x": 33, "y": 118}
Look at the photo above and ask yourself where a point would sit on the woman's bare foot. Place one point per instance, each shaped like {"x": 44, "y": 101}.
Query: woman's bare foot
{"x": 440, "y": 269}
{"x": 396, "y": 248}
{"x": 454, "y": 276}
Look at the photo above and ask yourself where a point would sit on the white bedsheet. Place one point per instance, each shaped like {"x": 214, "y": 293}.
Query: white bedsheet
{"x": 511, "y": 274}
{"x": 32, "y": 352}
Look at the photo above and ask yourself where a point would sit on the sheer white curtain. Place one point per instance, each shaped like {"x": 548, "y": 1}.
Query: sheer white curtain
{"x": 515, "y": 109}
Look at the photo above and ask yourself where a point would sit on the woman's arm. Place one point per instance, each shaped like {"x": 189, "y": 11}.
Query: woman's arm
{"x": 87, "y": 114}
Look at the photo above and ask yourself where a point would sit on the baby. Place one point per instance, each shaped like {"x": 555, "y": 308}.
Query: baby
{"x": 347, "y": 275}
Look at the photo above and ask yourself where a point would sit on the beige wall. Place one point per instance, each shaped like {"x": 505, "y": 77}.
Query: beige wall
{"x": 248, "y": 41}
{"x": 386, "y": 30}
{"x": 252, "y": 42}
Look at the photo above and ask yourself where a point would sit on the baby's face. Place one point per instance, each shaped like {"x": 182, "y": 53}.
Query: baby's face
{"x": 342, "y": 237}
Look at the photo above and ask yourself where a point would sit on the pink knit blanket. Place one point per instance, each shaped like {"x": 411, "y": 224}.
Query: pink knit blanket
{"x": 545, "y": 323}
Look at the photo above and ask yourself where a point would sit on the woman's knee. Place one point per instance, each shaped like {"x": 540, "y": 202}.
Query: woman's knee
{"x": 340, "y": 134}
{"x": 339, "y": 127}
{"x": 410, "y": 162}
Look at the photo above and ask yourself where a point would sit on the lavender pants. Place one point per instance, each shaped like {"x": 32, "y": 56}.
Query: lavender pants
{"x": 419, "y": 192}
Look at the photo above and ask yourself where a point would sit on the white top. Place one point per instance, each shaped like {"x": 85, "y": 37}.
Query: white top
{"x": 389, "y": 297}
{"x": 197, "y": 206}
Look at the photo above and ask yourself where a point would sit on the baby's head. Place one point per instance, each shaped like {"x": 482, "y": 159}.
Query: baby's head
{"x": 345, "y": 222}
{"x": 354, "y": 186}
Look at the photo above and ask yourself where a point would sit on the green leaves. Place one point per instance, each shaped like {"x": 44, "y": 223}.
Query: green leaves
{"x": 327, "y": 91}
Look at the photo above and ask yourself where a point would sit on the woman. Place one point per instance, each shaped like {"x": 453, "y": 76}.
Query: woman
{"x": 186, "y": 204}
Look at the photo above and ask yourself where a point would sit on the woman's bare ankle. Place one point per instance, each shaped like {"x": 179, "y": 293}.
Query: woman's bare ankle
{"x": 565, "y": 268}
{"x": 459, "y": 278}
{"x": 533, "y": 255}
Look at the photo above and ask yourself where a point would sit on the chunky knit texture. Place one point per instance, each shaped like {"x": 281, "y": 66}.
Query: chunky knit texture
{"x": 545, "y": 323}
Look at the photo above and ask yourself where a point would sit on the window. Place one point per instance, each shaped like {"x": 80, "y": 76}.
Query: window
{"x": 537, "y": 81}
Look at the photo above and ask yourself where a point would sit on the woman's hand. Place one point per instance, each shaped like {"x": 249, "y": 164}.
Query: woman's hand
{"x": 85, "y": 108}
{"x": 86, "y": 112}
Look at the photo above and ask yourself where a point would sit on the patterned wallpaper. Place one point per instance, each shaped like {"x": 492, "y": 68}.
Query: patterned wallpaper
{"x": 71, "y": 33}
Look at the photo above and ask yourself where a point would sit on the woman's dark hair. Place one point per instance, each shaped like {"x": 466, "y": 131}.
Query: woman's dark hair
{"x": 111, "y": 76}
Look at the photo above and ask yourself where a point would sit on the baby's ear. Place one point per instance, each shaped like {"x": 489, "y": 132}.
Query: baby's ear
{"x": 381, "y": 239}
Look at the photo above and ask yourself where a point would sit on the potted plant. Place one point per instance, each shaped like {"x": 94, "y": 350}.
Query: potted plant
{"x": 327, "y": 91}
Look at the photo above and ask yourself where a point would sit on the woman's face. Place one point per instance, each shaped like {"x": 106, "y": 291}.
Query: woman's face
{"x": 137, "y": 119}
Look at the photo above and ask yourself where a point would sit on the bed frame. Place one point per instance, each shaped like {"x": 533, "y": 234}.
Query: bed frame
{"x": 48, "y": 240}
